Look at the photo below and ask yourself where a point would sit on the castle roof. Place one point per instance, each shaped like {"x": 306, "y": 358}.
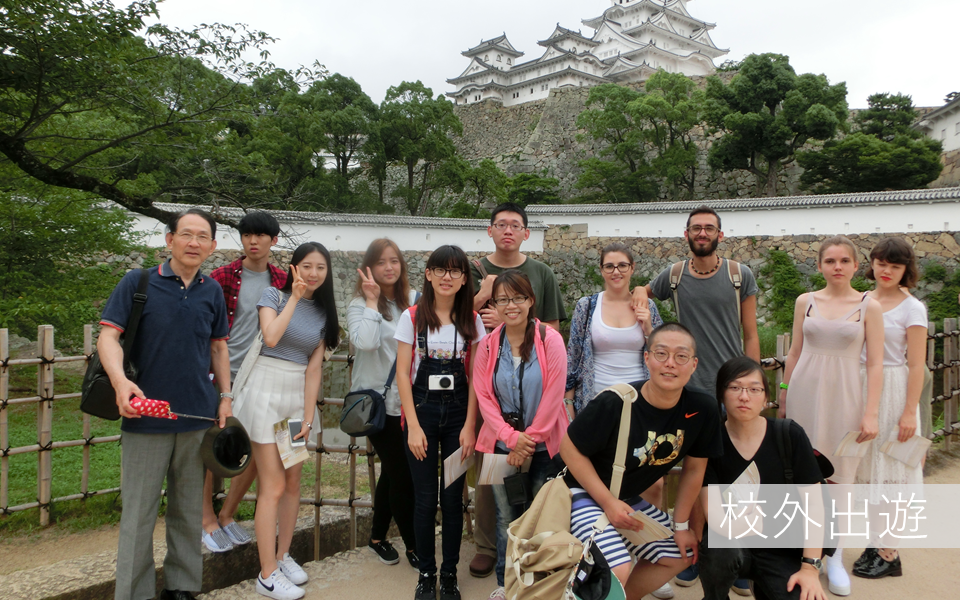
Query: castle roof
{"x": 498, "y": 44}
{"x": 561, "y": 33}
{"x": 923, "y": 196}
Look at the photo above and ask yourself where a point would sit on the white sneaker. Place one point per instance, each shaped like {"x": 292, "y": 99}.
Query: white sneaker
{"x": 837, "y": 575}
{"x": 277, "y": 586}
{"x": 498, "y": 594}
{"x": 292, "y": 570}
{"x": 664, "y": 592}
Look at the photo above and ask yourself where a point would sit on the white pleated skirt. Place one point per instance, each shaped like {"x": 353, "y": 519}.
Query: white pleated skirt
{"x": 273, "y": 392}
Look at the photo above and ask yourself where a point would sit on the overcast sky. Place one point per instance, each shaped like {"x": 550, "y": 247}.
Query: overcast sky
{"x": 874, "y": 46}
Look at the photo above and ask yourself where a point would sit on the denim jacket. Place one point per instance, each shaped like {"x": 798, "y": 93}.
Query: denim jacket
{"x": 580, "y": 367}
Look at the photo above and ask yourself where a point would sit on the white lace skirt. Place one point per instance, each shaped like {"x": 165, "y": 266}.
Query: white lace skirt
{"x": 273, "y": 392}
{"x": 884, "y": 473}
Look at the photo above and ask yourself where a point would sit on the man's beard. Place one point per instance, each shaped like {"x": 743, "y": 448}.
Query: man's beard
{"x": 703, "y": 251}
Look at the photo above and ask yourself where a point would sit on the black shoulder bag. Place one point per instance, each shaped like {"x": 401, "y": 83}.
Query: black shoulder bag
{"x": 97, "y": 396}
{"x": 781, "y": 429}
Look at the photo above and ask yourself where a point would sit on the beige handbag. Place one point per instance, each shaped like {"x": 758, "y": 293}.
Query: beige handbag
{"x": 542, "y": 554}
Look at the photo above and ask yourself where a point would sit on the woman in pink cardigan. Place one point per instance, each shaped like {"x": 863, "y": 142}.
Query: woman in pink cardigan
{"x": 519, "y": 377}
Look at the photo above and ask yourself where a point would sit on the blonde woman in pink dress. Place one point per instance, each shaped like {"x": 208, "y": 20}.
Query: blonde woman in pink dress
{"x": 831, "y": 328}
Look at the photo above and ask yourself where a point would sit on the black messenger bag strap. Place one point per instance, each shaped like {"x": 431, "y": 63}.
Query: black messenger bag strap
{"x": 133, "y": 323}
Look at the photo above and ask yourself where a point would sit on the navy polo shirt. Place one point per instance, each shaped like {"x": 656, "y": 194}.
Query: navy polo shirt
{"x": 172, "y": 349}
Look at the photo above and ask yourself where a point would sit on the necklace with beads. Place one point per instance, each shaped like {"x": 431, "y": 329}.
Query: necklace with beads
{"x": 715, "y": 267}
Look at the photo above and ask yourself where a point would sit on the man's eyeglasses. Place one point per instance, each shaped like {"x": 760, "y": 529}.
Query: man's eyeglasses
{"x": 501, "y": 226}
{"x": 609, "y": 268}
{"x": 518, "y": 300}
{"x": 696, "y": 229}
{"x": 189, "y": 237}
{"x": 441, "y": 271}
{"x": 753, "y": 392}
{"x": 681, "y": 358}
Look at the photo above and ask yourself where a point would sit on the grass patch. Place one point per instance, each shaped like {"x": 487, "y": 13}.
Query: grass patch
{"x": 80, "y": 515}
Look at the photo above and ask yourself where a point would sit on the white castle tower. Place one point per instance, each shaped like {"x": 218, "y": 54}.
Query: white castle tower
{"x": 632, "y": 40}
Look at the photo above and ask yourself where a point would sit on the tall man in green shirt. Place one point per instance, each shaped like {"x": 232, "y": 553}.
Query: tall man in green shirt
{"x": 508, "y": 228}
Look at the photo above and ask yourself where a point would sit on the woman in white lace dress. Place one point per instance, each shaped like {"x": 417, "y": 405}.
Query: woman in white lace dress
{"x": 894, "y": 267}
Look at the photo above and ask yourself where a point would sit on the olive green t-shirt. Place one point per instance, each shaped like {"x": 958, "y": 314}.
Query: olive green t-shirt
{"x": 543, "y": 280}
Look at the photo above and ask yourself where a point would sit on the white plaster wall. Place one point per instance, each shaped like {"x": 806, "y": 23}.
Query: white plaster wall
{"x": 352, "y": 237}
{"x": 951, "y": 137}
{"x": 942, "y": 216}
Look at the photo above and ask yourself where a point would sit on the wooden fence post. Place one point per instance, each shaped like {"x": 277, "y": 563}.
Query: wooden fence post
{"x": 85, "y": 475}
{"x": 4, "y": 436}
{"x": 316, "y": 484}
{"x": 949, "y": 380}
{"x": 353, "y": 492}
{"x": 45, "y": 422}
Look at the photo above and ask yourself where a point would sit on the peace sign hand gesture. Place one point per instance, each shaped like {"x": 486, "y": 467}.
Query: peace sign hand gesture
{"x": 299, "y": 285}
{"x": 370, "y": 288}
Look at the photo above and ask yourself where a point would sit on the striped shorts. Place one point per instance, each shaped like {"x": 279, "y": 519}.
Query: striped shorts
{"x": 616, "y": 548}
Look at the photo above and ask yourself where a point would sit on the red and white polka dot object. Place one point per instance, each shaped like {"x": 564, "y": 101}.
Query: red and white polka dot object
{"x": 153, "y": 408}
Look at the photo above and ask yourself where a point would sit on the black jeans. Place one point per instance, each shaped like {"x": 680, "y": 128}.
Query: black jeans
{"x": 442, "y": 416}
{"x": 768, "y": 569}
{"x": 394, "y": 495}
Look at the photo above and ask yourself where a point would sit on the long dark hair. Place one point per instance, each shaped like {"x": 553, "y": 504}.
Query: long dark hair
{"x": 519, "y": 283}
{"x": 324, "y": 294}
{"x": 448, "y": 257}
{"x": 401, "y": 289}
{"x": 734, "y": 369}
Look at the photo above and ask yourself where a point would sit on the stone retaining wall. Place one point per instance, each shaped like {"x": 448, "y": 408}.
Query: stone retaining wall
{"x": 574, "y": 257}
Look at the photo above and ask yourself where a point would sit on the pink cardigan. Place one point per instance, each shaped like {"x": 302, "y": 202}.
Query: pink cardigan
{"x": 550, "y": 423}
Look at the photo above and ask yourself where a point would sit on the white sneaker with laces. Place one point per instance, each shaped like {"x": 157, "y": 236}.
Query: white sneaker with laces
{"x": 664, "y": 592}
{"x": 837, "y": 575}
{"x": 292, "y": 570}
{"x": 277, "y": 586}
{"x": 498, "y": 594}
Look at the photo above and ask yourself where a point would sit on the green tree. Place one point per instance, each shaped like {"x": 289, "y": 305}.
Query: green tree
{"x": 767, "y": 113}
{"x": 87, "y": 104}
{"x": 415, "y": 132}
{"x": 485, "y": 182}
{"x": 533, "y": 188}
{"x": 885, "y": 153}
{"x": 667, "y": 113}
{"x": 621, "y": 171}
{"x": 51, "y": 243}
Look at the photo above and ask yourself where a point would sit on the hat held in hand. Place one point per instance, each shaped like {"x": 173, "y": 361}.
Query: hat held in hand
{"x": 226, "y": 452}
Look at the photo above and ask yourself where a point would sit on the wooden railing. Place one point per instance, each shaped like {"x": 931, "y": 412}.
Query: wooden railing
{"x": 947, "y": 371}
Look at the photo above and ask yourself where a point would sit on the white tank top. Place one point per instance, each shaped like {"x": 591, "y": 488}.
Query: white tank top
{"x": 617, "y": 351}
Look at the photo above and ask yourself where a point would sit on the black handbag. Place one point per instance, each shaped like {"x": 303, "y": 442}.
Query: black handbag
{"x": 97, "y": 396}
{"x": 365, "y": 411}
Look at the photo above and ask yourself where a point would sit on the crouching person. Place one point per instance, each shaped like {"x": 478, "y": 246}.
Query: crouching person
{"x": 668, "y": 423}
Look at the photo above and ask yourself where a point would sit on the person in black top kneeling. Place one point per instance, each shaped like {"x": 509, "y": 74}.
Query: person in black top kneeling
{"x": 777, "y": 573}
{"x": 668, "y": 423}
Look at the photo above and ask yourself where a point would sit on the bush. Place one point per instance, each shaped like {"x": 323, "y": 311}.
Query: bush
{"x": 786, "y": 284}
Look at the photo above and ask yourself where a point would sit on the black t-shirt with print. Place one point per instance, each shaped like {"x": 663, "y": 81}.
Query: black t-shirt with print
{"x": 725, "y": 471}
{"x": 659, "y": 438}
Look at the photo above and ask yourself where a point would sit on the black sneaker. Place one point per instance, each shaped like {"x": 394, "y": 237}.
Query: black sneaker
{"x": 426, "y": 587}
{"x": 386, "y": 552}
{"x": 413, "y": 559}
{"x": 448, "y": 587}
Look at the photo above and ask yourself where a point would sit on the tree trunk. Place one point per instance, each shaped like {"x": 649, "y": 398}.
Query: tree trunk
{"x": 770, "y": 188}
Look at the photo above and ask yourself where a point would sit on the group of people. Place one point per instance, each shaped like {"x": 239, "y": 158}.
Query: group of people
{"x": 478, "y": 366}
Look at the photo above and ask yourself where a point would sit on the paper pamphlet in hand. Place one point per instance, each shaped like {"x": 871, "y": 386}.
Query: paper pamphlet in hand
{"x": 910, "y": 452}
{"x": 494, "y": 469}
{"x": 289, "y": 454}
{"x": 849, "y": 446}
{"x": 454, "y": 466}
{"x": 743, "y": 486}
{"x": 650, "y": 530}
